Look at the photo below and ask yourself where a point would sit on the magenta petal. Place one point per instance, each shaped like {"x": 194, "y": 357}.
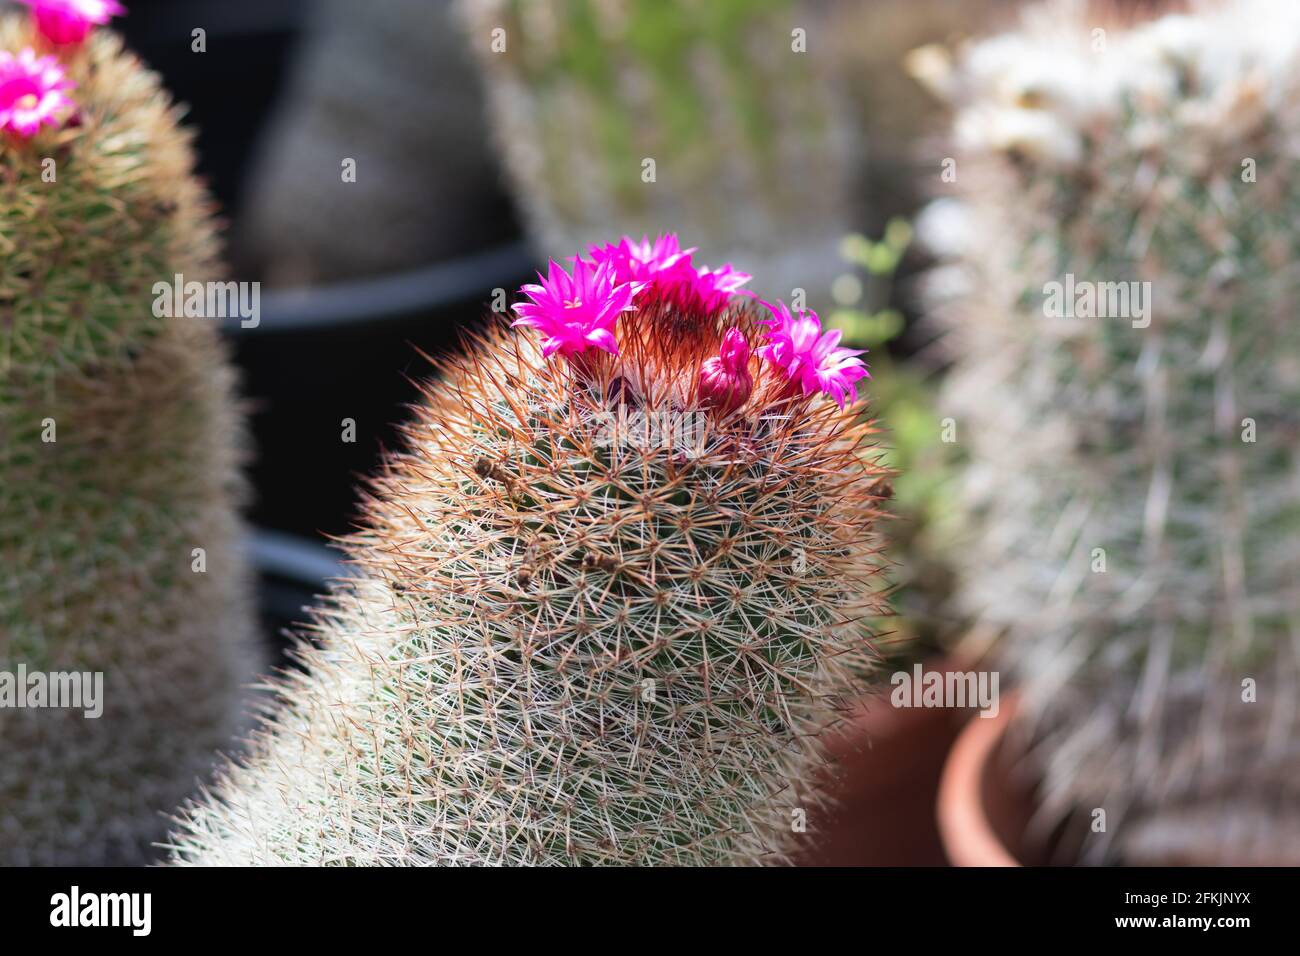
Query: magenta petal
{"x": 810, "y": 356}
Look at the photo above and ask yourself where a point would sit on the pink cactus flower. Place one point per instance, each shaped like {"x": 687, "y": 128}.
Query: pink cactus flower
{"x": 643, "y": 261}
{"x": 725, "y": 382}
{"x": 31, "y": 92}
{"x": 64, "y": 22}
{"x": 810, "y": 358}
{"x": 576, "y": 312}
{"x": 715, "y": 287}
{"x": 667, "y": 265}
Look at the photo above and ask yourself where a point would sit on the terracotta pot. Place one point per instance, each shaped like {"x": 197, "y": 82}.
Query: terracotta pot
{"x": 886, "y": 764}
{"x": 983, "y": 807}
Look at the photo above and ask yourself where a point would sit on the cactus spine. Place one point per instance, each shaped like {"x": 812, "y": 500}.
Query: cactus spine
{"x": 573, "y": 643}
{"x": 1134, "y": 482}
{"x": 117, "y": 459}
{"x": 696, "y": 115}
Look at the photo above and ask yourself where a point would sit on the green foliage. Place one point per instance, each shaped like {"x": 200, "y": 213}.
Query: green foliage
{"x": 903, "y": 401}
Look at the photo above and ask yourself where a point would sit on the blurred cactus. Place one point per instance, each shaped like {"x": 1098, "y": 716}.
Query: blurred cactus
{"x": 870, "y": 39}
{"x": 118, "y": 451}
{"x": 1133, "y": 477}
{"x": 752, "y": 149}
{"x": 575, "y": 640}
{"x": 391, "y": 87}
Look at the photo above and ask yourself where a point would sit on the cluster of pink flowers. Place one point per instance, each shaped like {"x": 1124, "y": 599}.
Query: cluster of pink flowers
{"x": 666, "y": 265}
{"x": 33, "y": 89}
{"x": 573, "y": 312}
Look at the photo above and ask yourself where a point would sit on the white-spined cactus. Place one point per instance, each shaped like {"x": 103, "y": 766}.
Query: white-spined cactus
{"x": 611, "y": 596}
{"x": 119, "y": 444}
{"x": 717, "y": 118}
{"x": 1133, "y": 477}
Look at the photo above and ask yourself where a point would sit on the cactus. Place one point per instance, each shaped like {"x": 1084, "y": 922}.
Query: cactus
{"x": 118, "y": 454}
{"x": 751, "y": 149}
{"x": 1133, "y": 476}
{"x": 573, "y": 641}
{"x": 424, "y": 187}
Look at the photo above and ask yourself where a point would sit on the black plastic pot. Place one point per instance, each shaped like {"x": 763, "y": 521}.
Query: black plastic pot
{"x": 324, "y": 354}
{"x": 230, "y": 89}
{"x": 291, "y": 573}
{"x": 349, "y": 352}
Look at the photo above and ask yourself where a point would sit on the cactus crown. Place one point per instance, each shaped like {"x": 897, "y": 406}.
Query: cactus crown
{"x": 575, "y": 642}
{"x": 92, "y": 214}
{"x": 1136, "y": 530}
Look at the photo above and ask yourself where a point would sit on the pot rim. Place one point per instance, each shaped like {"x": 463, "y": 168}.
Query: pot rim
{"x": 294, "y": 558}
{"x": 969, "y": 837}
{"x": 397, "y": 295}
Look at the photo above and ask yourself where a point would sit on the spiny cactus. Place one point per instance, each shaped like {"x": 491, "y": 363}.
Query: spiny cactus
{"x": 118, "y": 453}
{"x": 1133, "y": 476}
{"x": 573, "y": 641}
{"x": 751, "y": 149}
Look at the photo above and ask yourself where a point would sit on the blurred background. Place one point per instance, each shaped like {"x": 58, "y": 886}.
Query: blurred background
{"x": 474, "y": 164}
{"x": 391, "y": 171}
{"x": 451, "y": 201}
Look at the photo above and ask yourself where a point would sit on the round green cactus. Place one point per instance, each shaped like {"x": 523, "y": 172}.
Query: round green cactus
{"x": 119, "y": 445}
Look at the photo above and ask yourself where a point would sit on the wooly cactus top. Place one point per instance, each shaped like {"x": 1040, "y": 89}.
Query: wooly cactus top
{"x": 610, "y": 596}
{"x": 1133, "y": 472}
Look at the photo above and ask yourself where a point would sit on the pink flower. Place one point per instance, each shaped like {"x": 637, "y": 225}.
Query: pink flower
{"x": 69, "y": 21}
{"x": 31, "y": 92}
{"x": 810, "y": 357}
{"x": 576, "y": 312}
{"x": 665, "y": 264}
{"x": 725, "y": 382}
{"x": 715, "y": 287}
{"x": 645, "y": 260}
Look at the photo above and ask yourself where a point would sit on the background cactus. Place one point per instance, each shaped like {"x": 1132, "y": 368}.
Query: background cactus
{"x": 753, "y": 154}
{"x": 391, "y": 86}
{"x": 98, "y": 526}
{"x": 1134, "y": 489}
{"x": 571, "y": 643}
